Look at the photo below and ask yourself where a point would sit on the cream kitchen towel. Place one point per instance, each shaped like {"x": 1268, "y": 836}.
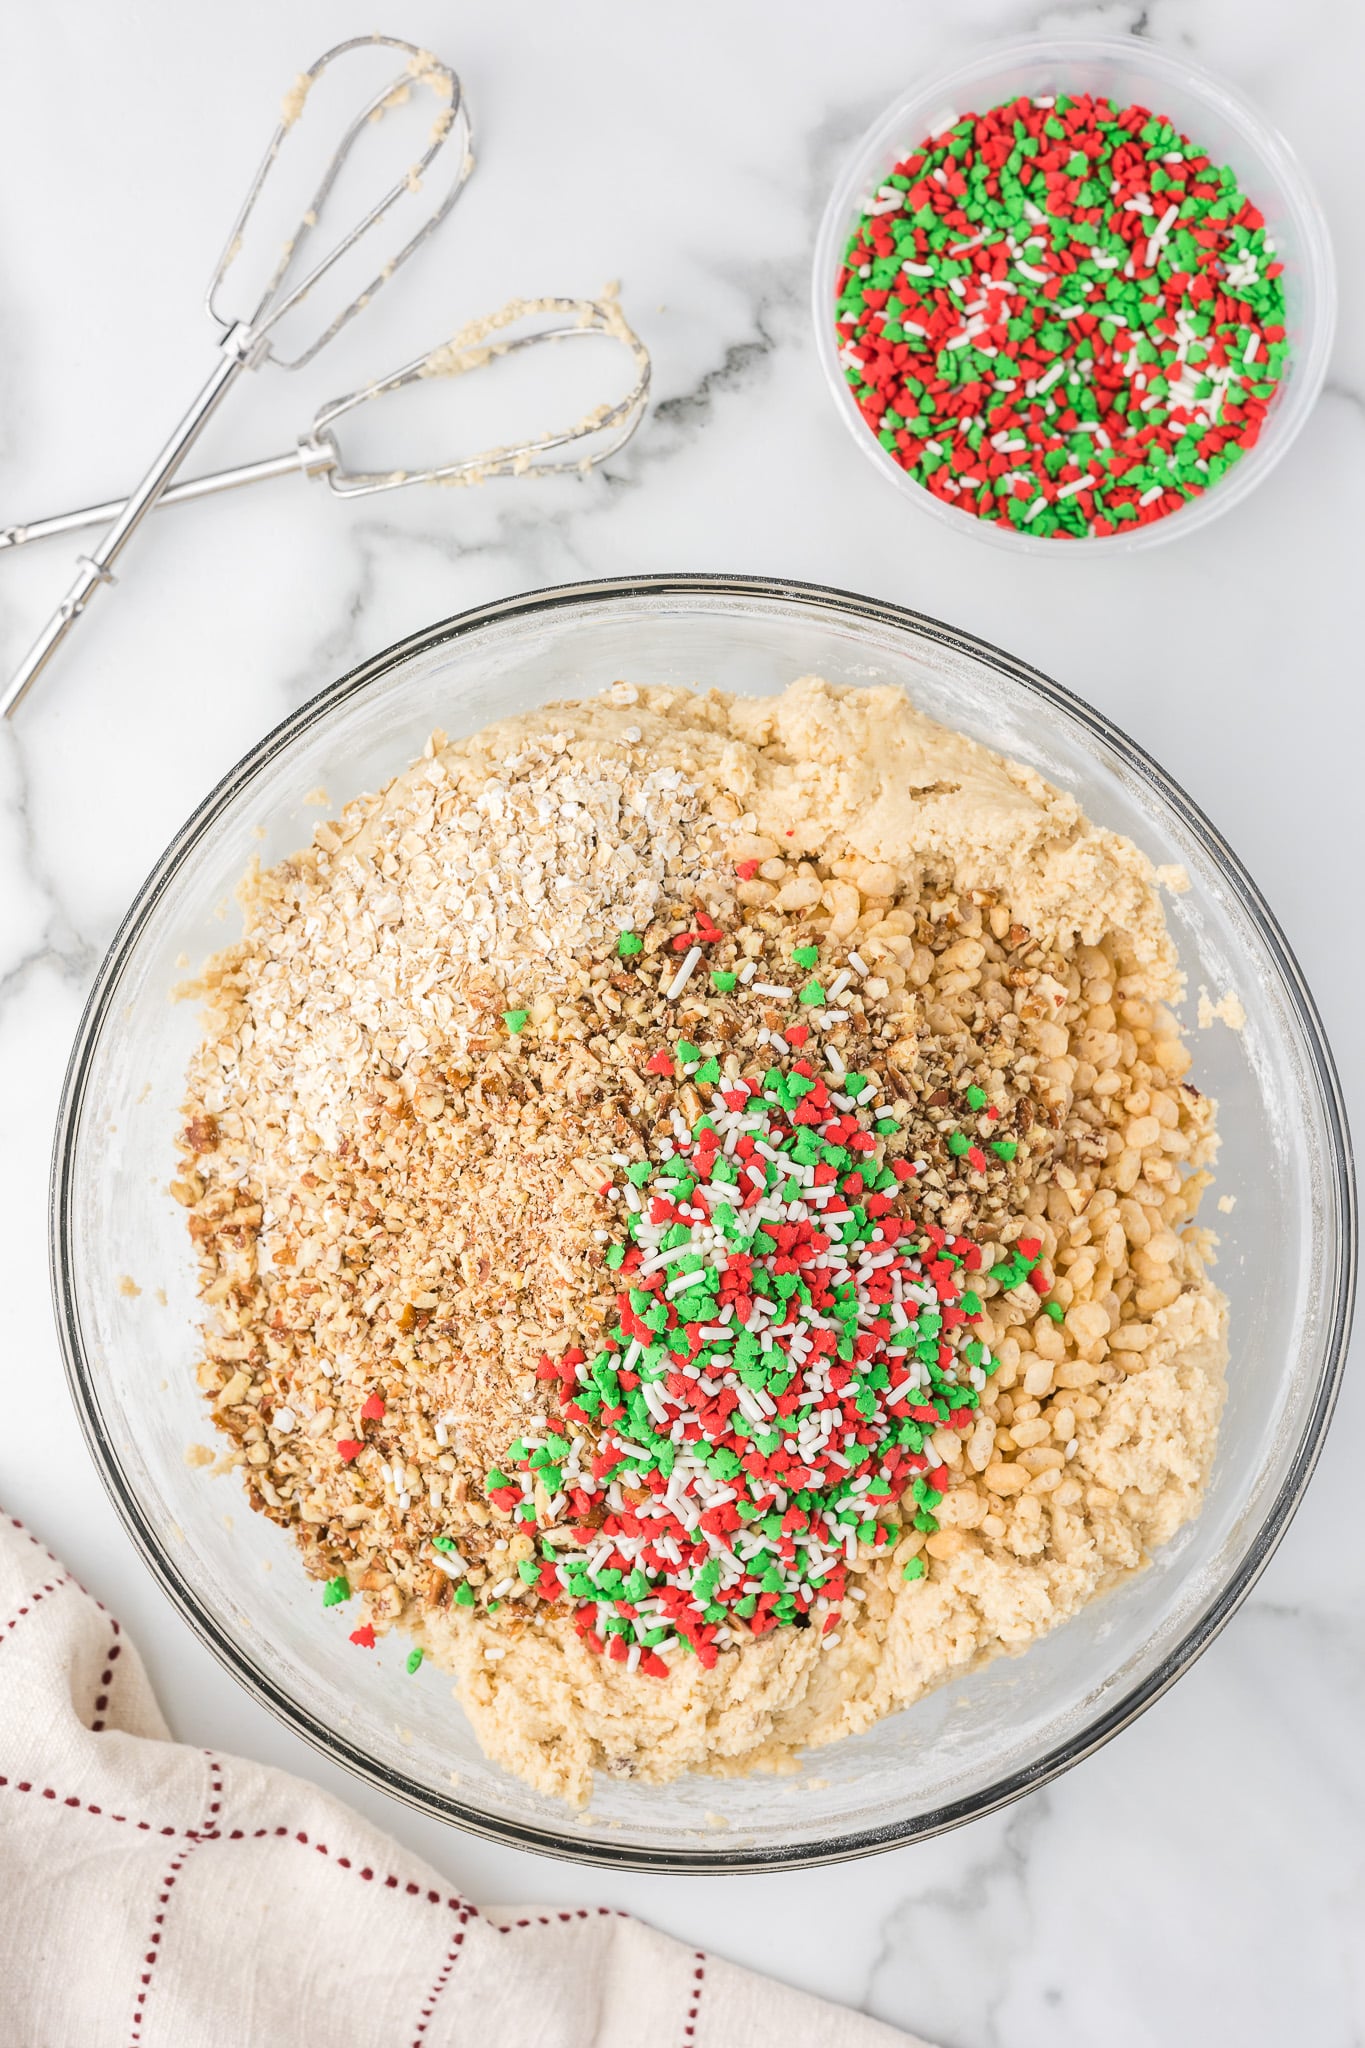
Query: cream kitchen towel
{"x": 157, "y": 1896}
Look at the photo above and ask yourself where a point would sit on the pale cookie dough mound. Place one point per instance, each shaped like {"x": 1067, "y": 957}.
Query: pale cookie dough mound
{"x": 448, "y": 1127}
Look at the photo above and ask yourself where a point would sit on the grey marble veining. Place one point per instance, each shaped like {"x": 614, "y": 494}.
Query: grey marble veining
{"x": 1202, "y": 1879}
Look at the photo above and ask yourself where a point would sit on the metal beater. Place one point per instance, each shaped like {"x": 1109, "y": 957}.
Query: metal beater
{"x": 598, "y": 433}
{"x": 248, "y": 341}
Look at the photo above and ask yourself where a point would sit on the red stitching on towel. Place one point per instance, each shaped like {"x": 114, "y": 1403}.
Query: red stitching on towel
{"x": 31, "y": 1600}
{"x": 207, "y": 1832}
{"x": 698, "y": 1986}
{"x": 29, "y": 1536}
{"x": 212, "y": 1831}
{"x": 24, "y": 1530}
{"x": 454, "y": 1903}
{"x": 84, "y": 1806}
{"x": 424, "y": 2017}
{"x": 106, "y": 1679}
{"x": 548, "y": 1919}
{"x": 66, "y": 1578}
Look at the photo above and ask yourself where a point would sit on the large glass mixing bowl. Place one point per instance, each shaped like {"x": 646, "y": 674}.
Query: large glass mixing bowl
{"x": 1286, "y": 1258}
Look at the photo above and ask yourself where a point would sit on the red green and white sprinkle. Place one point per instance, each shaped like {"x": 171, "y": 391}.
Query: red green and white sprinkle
{"x": 790, "y": 1338}
{"x": 1062, "y": 316}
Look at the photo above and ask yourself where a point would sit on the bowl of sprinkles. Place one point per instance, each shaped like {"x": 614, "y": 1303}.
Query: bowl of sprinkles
{"x": 1073, "y": 290}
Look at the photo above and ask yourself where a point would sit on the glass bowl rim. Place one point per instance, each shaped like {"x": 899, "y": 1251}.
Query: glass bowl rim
{"x": 1338, "y": 1181}
{"x": 1294, "y": 184}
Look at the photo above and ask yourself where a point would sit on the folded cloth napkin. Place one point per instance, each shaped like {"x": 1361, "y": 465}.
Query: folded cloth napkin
{"x": 157, "y": 1896}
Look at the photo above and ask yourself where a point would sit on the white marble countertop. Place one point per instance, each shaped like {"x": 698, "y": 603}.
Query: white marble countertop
{"x": 1203, "y": 1878}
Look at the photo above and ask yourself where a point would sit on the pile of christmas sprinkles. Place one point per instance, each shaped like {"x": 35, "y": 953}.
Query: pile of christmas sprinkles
{"x": 1062, "y": 316}
{"x": 790, "y": 1337}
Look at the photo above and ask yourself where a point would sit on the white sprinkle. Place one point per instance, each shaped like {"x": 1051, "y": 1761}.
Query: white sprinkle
{"x": 683, "y": 975}
{"x": 859, "y": 965}
{"x": 1160, "y": 232}
{"x": 769, "y": 988}
{"x": 1034, "y": 509}
{"x": 1150, "y": 497}
{"x": 1081, "y": 483}
{"x": 748, "y": 971}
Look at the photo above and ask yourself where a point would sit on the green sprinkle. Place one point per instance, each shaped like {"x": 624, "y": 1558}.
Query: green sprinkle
{"x": 628, "y": 943}
{"x": 812, "y": 995}
{"x": 443, "y": 1543}
{"x": 414, "y": 1661}
{"x": 336, "y": 1590}
{"x": 806, "y": 956}
{"x": 1004, "y": 1148}
{"x": 976, "y": 1098}
{"x": 722, "y": 980}
{"x": 515, "y": 1020}
{"x": 464, "y": 1594}
{"x": 1055, "y": 1310}
{"x": 914, "y": 1569}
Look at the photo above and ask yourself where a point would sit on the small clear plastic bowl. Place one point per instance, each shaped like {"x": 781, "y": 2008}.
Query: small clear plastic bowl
{"x": 1212, "y": 116}
{"x": 1286, "y": 1254}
